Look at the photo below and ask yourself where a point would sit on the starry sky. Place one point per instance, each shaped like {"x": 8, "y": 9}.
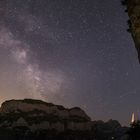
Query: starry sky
{"x": 70, "y": 52}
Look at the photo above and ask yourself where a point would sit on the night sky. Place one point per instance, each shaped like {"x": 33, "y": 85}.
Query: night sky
{"x": 70, "y": 52}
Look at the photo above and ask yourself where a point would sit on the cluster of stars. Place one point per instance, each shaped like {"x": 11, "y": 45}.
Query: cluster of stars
{"x": 75, "y": 53}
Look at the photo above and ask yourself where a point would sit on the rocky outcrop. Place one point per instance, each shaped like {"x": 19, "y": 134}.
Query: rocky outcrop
{"x": 133, "y": 9}
{"x": 28, "y": 105}
{"x": 36, "y": 115}
{"x": 34, "y": 120}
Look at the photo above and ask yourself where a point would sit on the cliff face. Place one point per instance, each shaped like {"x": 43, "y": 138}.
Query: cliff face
{"x": 28, "y": 105}
{"x": 34, "y": 120}
{"x": 36, "y": 115}
{"x": 133, "y": 8}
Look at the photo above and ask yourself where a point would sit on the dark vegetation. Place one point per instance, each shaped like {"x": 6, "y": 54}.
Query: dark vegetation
{"x": 134, "y": 131}
{"x": 124, "y": 3}
{"x": 24, "y": 134}
{"x": 38, "y": 118}
{"x": 99, "y": 131}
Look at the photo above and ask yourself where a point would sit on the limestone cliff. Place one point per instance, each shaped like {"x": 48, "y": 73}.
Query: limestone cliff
{"x": 133, "y": 9}
{"x": 36, "y": 115}
{"x": 34, "y": 120}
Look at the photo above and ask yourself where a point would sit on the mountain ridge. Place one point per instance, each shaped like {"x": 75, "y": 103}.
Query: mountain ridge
{"x": 36, "y": 119}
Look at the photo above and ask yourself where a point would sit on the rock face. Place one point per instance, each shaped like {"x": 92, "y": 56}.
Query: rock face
{"x": 133, "y": 8}
{"x": 28, "y": 105}
{"x": 34, "y": 120}
{"x": 36, "y": 115}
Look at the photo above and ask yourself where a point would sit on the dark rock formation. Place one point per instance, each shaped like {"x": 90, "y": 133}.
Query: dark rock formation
{"x": 37, "y": 120}
{"x": 36, "y": 114}
{"x": 108, "y": 130}
{"x": 133, "y": 9}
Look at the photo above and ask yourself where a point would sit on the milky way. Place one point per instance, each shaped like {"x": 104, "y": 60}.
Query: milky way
{"x": 21, "y": 78}
{"x": 70, "y": 52}
{"x": 29, "y": 79}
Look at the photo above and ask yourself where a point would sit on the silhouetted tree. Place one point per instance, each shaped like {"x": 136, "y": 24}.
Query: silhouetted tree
{"x": 134, "y": 131}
